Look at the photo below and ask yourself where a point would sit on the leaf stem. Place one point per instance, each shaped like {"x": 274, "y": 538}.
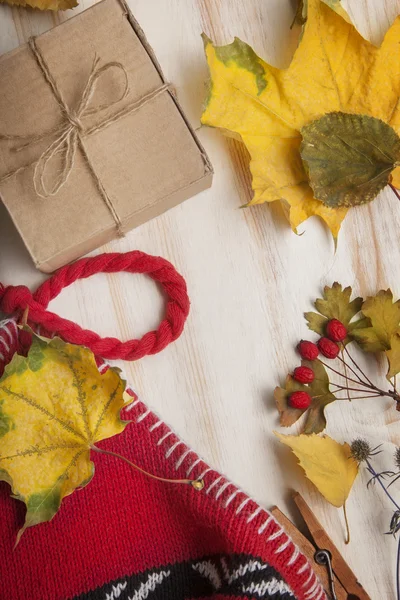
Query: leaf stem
{"x": 347, "y": 540}
{"x": 195, "y": 483}
{"x": 395, "y": 191}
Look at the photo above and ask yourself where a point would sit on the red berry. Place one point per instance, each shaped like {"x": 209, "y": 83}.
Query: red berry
{"x": 308, "y": 350}
{"x": 303, "y": 374}
{"x": 336, "y": 331}
{"x": 328, "y": 348}
{"x": 300, "y": 400}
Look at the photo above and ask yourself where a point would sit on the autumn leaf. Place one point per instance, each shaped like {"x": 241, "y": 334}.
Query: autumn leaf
{"x": 321, "y": 396}
{"x": 349, "y": 158}
{"x": 44, "y": 4}
{"x": 383, "y": 322}
{"x": 301, "y": 14}
{"x": 393, "y": 356}
{"x": 54, "y": 407}
{"x": 336, "y": 303}
{"x": 328, "y": 464}
{"x": 334, "y": 70}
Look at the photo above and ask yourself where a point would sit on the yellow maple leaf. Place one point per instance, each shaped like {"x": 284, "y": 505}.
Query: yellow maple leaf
{"x": 54, "y": 407}
{"x": 328, "y": 464}
{"x": 43, "y": 4}
{"x": 334, "y": 71}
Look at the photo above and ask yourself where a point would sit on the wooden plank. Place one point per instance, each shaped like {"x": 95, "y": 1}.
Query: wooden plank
{"x": 249, "y": 277}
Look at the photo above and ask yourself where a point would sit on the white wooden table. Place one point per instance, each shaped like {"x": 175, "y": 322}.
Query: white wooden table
{"x": 250, "y": 279}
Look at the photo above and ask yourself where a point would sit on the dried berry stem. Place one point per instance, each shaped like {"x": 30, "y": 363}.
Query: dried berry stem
{"x": 354, "y": 372}
{"x": 365, "y": 383}
{"x": 357, "y": 381}
{"x": 358, "y": 367}
{"x": 345, "y": 371}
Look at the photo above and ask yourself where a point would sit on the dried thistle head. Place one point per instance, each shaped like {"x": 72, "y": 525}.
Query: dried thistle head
{"x": 361, "y": 450}
{"x": 395, "y": 523}
{"x": 397, "y": 458}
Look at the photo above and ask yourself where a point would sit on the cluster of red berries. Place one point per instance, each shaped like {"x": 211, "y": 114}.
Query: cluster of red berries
{"x": 336, "y": 332}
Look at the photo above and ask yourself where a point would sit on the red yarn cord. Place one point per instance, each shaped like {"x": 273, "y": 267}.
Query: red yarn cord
{"x": 15, "y": 300}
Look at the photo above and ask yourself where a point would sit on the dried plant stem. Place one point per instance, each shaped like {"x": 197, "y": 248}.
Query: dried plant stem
{"x": 377, "y": 477}
{"x": 195, "y": 483}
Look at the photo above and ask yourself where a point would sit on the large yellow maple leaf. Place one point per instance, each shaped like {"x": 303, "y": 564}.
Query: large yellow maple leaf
{"x": 54, "y": 407}
{"x": 334, "y": 72}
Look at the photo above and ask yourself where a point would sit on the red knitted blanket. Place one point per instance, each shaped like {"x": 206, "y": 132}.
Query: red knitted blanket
{"x": 131, "y": 538}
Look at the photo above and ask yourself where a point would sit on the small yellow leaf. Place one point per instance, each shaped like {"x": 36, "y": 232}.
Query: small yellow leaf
{"x": 54, "y": 406}
{"x": 44, "y": 4}
{"x": 327, "y": 464}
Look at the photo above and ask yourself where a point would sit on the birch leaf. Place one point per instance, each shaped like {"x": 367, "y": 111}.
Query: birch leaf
{"x": 334, "y": 69}
{"x": 54, "y": 406}
{"x": 44, "y": 4}
{"x": 349, "y": 158}
{"x": 328, "y": 464}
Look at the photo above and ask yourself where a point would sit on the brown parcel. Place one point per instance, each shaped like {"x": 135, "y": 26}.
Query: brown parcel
{"x": 126, "y": 158}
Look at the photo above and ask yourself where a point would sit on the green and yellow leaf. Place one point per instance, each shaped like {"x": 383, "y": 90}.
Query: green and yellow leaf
{"x": 54, "y": 407}
{"x": 328, "y": 464}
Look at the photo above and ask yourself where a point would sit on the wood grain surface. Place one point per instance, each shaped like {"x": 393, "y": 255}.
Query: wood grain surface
{"x": 249, "y": 277}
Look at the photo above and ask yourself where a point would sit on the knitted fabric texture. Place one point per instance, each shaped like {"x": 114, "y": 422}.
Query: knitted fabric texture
{"x": 127, "y": 537}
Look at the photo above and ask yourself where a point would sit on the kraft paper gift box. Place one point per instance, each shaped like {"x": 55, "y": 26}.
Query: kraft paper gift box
{"x": 92, "y": 139}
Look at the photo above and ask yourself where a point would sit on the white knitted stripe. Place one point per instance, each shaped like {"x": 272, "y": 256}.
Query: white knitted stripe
{"x": 173, "y": 447}
{"x": 182, "y": 458}
{"x": 254, "y": 514}
{"x": 231, "y": 497}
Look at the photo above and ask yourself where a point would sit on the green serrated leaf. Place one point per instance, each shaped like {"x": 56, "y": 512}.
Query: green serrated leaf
{"x": 383, "y": 317}
{"x": 336, "y": 303}
{"x": 393, "y": 356}
{"x": 349, "y": 157}
{"x": 321, "y": 396}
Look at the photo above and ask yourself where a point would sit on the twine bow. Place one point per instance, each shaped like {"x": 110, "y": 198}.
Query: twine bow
{"x": 70, "y": 133}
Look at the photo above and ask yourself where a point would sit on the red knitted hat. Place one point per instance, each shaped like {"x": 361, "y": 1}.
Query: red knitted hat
{"x": 131, "y": 538}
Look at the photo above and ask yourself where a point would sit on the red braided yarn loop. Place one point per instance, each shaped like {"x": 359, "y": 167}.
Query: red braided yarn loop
{"x": 15, "y": 300}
